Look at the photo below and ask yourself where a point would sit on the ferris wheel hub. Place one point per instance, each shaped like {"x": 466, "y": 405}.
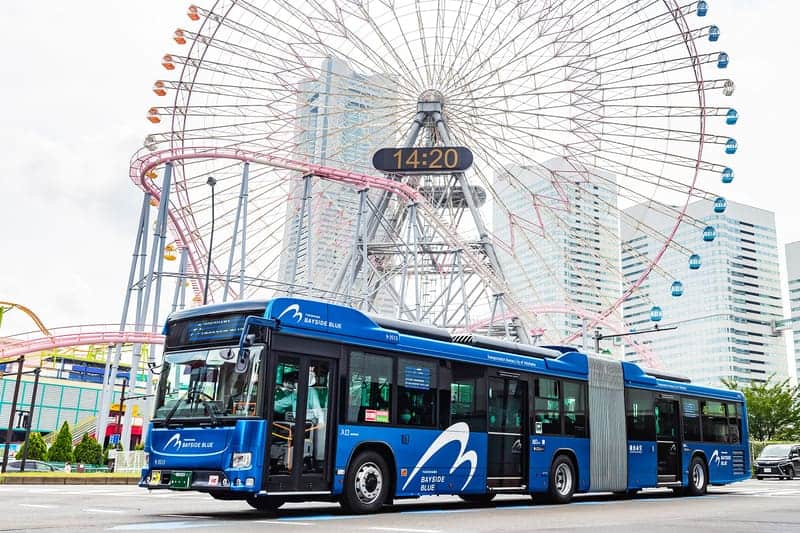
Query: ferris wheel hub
{"x": 430, "y": 100}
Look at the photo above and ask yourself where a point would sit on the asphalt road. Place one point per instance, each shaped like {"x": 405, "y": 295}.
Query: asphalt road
{"x": 747, "y": 507}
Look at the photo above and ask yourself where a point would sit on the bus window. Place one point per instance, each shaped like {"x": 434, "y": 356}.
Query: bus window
{"x": 715, "y": 423}
{"x": 575, "y": 409}
{"x": 370, "y": 388}
{"x": 734, "y": 423}
{"x": 416, "y": 393}
{"x": 547, "y": 419}
{"x": 468, "y": 396}
{"x": 691, "y": 419}
{"x": 639, "y": 413}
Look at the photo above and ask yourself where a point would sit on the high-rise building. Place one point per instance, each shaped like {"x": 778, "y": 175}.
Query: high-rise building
{"x": 793, "y": 274}
{"x": 558, "y": 235}
{"x": 341, "y": 120}
{"x": 724, "y": 313}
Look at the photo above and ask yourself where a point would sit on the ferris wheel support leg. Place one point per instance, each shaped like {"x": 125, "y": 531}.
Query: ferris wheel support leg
{"x": 241, "y": 205}
{"x": 356, "y": 263}
{"x": 301, "y": 228}
{"x": 153, "y": 275}
{"x": 111, "y": 368}
{"x": 179, "y": 284}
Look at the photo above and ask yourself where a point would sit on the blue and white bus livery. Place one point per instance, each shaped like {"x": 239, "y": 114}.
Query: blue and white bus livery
{"x": 294, "y": 400}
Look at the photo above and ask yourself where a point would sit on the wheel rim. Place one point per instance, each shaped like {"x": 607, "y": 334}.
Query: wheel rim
{"x": 368, "y": 483}
{"x": 698, "y": 476}
{"x": 563, "y": 479}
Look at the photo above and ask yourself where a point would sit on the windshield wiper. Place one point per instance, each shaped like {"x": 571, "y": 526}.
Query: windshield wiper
{"x": 209, "y": 405}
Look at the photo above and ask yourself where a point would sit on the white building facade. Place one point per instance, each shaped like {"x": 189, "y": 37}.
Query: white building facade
{"x": 341, "y": 121}
{"x": 793, "y": 275}
{"x": 559, "y": 247}
{"x": 725, "y": 312}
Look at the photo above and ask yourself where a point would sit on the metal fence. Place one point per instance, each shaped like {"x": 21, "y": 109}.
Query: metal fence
{"x": 129, "y": 462}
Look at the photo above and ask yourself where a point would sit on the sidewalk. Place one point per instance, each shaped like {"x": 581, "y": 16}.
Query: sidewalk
{"x": 56, "y": 478}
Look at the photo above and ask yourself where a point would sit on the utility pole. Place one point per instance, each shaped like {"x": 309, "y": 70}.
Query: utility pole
{"x": 10, "y": 429}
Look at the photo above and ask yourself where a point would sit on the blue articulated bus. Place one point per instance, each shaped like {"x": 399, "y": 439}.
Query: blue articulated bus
{"x": 295, "y": 400}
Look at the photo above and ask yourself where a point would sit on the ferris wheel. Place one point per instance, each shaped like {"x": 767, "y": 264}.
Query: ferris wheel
{"x": 591, "y": 128}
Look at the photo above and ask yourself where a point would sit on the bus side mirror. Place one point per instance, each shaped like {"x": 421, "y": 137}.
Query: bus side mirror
{"x": 242, "y": 361}
{"x": 249, "y": 339}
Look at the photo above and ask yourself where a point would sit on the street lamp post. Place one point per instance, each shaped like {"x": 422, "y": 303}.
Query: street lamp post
{"x": 597, "y": 335}
{"x": 211, "y": 182}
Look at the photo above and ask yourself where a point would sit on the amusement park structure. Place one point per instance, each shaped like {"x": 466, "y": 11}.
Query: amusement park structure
{"x": 572, "y": 112}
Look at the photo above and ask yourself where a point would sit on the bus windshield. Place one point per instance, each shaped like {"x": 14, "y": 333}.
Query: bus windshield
{"x": 209, "y": 383}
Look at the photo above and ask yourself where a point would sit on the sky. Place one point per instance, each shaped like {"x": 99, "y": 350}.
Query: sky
{"x": 76, "y": 86}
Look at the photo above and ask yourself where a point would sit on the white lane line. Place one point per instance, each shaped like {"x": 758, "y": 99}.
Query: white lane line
{"x": 37, "y": 505}
{"x": 282, "y": 523}
{"x": 403, "y": 529}
{"x": 111, "y": 511}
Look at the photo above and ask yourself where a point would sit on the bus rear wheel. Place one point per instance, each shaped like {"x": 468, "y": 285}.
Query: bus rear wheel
{"x": 264, "y": 503}
{"x": 562, "y": 480}
{"x": 698, "y": 477}
{"x": 366, "y": 485}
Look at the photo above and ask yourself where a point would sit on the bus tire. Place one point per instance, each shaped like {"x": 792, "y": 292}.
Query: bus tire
{"x": 264, "y": 503}
{"x": 367, "y": 483}
{"x": 562, "y": 480}
{"x": 698, "y": 477}
{"x": 479, "y": 499}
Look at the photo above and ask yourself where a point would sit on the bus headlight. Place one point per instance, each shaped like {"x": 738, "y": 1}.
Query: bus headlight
{"x": 241, "y": 460}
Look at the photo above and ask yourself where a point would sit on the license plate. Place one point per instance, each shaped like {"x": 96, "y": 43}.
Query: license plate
{"x": 768, "y": 470}
{"x": 155, "y": 477}
{"x": 180, "y": 480}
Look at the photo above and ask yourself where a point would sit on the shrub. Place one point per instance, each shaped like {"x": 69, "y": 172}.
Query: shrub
{"x": 88, "y": 451}
{"x": 38, "y": 449}
{"x": 61, "y": 450}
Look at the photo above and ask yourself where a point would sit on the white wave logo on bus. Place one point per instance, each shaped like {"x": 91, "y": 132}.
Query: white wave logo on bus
{"x": 297, "y": 316}
{"x": 458, "y": 432}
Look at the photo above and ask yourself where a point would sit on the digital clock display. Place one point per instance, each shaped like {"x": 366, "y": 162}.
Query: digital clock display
{"x": 427, "y": 160}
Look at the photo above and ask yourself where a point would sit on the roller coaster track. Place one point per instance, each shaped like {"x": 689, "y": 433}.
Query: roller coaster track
{"x": 28, "y": 343}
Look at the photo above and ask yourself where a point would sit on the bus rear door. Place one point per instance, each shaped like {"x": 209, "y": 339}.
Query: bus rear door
{"x": 668, "y": 438}
{"x": 508, "y": 439}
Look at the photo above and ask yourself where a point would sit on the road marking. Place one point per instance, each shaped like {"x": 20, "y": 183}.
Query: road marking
{"x": 283, "y": 523}
{"x": 144, "y": 526}
{"x": 403, "y": 529}
{"x": 111, "y": 511}
{"x": 37, "y": 505}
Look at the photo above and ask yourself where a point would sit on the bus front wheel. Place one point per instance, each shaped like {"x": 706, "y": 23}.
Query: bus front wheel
{"x": 562, "y": 480}
{"x": 698, "y": 477}
{"x": 264, "y": 503}
{"x": 479, "y": 499}
{"x": 367, "y": 483}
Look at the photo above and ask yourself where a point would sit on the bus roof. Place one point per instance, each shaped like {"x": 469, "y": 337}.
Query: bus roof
{"x": 336, "y": 322}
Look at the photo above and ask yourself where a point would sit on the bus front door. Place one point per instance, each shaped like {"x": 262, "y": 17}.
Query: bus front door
{"x": 507, "y": 443}
{"x": 299, "y": 437}
{"x": 668, "y": 439}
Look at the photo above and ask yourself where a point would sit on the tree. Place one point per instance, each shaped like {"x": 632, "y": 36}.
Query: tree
{"x": 773, "y": 409}
{"x": 38, "y": 449}
{"x": 88, "y": 451}
{"x": 61, "y": 450}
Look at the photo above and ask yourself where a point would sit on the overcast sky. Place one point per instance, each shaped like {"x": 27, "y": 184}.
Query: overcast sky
{"x": 76, "y": 85}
